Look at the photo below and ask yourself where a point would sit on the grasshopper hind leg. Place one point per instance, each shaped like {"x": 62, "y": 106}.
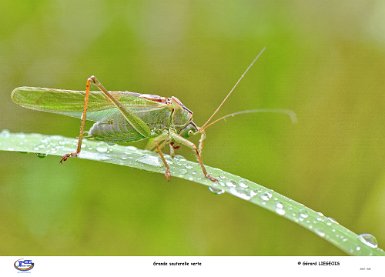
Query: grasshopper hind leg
{"x": 82, "y": 124}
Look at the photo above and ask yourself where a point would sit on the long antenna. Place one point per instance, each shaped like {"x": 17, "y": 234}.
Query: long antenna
{"x": 233, "y": 88}
{"x": 289, "y": 113}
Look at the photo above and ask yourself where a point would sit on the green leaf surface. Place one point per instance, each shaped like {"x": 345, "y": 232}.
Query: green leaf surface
{"x": 323, "y": 226}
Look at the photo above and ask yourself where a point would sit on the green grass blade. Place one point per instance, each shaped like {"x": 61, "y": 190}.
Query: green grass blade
{"x": 316, "y": 222}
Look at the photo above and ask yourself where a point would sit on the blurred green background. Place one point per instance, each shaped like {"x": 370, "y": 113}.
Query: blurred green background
{"x": 325, "y": 60}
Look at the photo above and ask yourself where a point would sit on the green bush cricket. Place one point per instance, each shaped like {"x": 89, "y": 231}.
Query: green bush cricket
{"x": 122, "y": 117}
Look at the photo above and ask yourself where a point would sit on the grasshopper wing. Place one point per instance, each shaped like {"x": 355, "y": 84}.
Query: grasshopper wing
{"x": 71, "y": 102}
{"x": 110, "y": 124}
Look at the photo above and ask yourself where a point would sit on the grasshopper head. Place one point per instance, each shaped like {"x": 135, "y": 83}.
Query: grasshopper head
{"x": 190, "y": 129}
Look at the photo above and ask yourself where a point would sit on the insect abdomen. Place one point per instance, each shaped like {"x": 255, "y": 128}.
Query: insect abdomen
{"x": 114, "y": 132}
{"x": 115, "y": 128}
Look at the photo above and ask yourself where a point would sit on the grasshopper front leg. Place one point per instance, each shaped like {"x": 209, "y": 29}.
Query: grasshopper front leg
{"x": 197, "y": 151}
{"x": 201, "y": 142}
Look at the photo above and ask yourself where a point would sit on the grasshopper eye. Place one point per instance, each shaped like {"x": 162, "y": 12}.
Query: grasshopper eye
{"x": 189, "y": 130}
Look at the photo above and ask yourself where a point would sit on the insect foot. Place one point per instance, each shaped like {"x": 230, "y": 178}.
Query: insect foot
{"x": 66, "y": 156}
{"x": 211, "y": 178}
{"x": 167, "y": 174}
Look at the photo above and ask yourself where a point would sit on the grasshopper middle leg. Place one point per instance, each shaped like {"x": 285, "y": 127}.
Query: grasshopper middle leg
{"x": 167, "y": 172}
{"x": 157, "y": 144}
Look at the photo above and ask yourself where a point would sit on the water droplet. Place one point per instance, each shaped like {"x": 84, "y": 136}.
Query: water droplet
{"x": 303, "y": 215}
{"x": 240, "y": 192}
{"x": 320, "y": 232}
{"x": 5, "y": 133}
{"x": 216, "y": 190}
{"x": 21, "y": 136}
{"x": 180, "y": 158}
{"x": 41, "y": 155}
{"x": 242, "y": 185}
{"x": 219, "y": 183}
{"x": 150, "y": 160}
{"x": 369, "y": 240}
{"x": 279, "y": 208}
{"x": 358, "y": 248}
{"x": 266, "y": 196}
{"x": 53, "y": 150}
{"x": 279, "y": 205}
{"x": 332, "y": 220}
{"x": 102, "y": 149}
{"x": 41, "y": 146}
{"x": 231, "y": 184}
{"x": 183, "y": 171}
{"x": 253, "y": 193}
{"x": 188, "y": 166}
{"x": 130, "y": 149}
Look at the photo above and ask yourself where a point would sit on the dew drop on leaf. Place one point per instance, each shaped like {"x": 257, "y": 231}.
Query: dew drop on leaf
{"x": 102, "y": 149}
{"x": 369, "y": 240}
{"x": 150, "y": 160}
{"x": 320, "y": 233}
{"x": 5, "y": 133}
{"x": 41, "y": 155}
{"x": 243, "y": 185}
{"x": 303, "y": 214}
{"x": 183, "y": 171}
{"x": 279, "y": 208}
{"x": 266, "y": 196}
{"x": 216, "y": 190}
{"x": 231, "y": 184}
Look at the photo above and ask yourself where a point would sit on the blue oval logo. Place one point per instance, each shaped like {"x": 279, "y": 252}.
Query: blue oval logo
{"x": 24, "y": 265}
